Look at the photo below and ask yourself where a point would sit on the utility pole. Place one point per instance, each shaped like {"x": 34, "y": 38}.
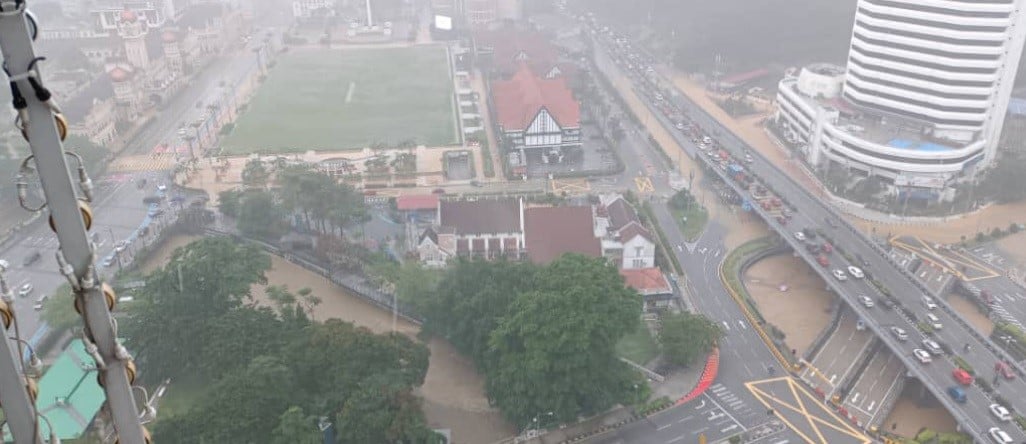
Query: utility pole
{"x": 44, "y": 128}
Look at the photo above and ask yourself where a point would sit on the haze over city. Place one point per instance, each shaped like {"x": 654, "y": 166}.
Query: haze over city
{"x": 513, "y": 221}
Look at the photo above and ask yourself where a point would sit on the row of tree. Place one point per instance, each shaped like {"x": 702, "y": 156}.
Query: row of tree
{"x": 268, "y": 375}
{"x": 543, "y": 336}
{"x": 313, "y": 199}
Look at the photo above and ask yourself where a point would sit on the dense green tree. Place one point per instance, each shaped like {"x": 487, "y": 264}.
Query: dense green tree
{"x": 260, "y": 217}
{"x": 295, "y": 427}
{"x": 236, "y": 338}
{"x": 323, "y": 203}
{"x": 1003, "y": 183}
{"x": 471, "y": 299}
{"x": 255, "y": 174}
{"x": 384, "y": 410}
{"x": 228, "y": 202}
{"x": 242, "y": 408}
{"x": 59, "y": 310}
{"x": 202, "y": 281}
{"x": 686, "y": 337}
{"x": 554, "y": 350}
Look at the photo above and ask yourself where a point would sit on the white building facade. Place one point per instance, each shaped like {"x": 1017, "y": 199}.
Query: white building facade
{"x": 924, "y": 94}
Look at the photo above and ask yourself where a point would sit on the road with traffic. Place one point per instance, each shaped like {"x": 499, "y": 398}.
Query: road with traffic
{"x": 118, "y": 207}
{"x": 810, "y": 212}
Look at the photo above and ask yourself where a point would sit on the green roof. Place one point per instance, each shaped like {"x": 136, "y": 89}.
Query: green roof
{"x": 69, "y": 395}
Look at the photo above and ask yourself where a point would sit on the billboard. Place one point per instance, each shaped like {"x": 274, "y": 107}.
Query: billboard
{"x": 443, "y": 23}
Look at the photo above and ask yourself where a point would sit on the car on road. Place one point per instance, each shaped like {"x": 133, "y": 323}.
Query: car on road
{"x": 161, "y": 187}
{"x": 956, "y": 393}
{"x": 839, "y": 274}
{"x": 855, "y": 272}
{"x": 32, "y": 258}
{"x": 107, "y": 261}
{"x": 812, "y": 248}
{"x": 4, "y": 265}
{"x": 1000, "y": 412}
{"x": 800, "y": 236}
{"x": 933, "y": 347}
{"x": 823, "y": 261}
{"x": 860, "y": 325}
{"x": 886, "y": 302}
{"x": 1002, "y": 368}
{"x": 922, "y": 355}
{"x": 25, "y": 289}
{"x": 120, "y": 246}
{"x": 999, "y": 436}
{"x": 39, "y": 302}
{"x": 963, "y": 377}
{"x": 899, "y": 333}
{"x": 929, "y": 303}
{"x": 934, "y": 321}
{"x": 866, "y": 301}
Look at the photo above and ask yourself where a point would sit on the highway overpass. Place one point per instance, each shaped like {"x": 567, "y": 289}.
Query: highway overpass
{"x": 974, "y": 416}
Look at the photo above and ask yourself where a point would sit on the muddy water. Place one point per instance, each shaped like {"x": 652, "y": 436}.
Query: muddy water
{"x": 453, "y": 391}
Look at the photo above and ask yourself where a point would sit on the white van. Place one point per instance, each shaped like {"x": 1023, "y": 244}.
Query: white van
{"x": 934, "y": 321}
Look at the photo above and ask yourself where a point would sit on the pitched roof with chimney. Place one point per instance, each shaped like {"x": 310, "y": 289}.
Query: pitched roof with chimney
{"x": 481, "y": 216}
{"x": 621, "y": 213}
{"x": 550, "y": 232}
{"x": 647, "y": 281}
{"x": 632, "y": 230}
{"x": 519, "y": 99}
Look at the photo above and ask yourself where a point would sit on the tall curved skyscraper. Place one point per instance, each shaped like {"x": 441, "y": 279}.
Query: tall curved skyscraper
{"x": 924, "y": 94}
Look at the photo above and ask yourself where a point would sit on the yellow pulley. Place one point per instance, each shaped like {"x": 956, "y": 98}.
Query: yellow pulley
{"x": 87, "y": 216}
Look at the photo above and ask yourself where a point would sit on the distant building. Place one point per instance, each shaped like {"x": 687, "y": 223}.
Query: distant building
{"x": 534, "y": 113}
{"x": 418, "y": 207}
{"x": 623, "y": 237}
{"x": 501, "y": 52}
{"x": 483, "y": 229}
{"x": 652, "y": 284}
{"x": 308, "y": 9}
{"x": 92, "y": 112}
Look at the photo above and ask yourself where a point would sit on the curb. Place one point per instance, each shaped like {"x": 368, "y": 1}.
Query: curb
{"x": 712, "y": 368}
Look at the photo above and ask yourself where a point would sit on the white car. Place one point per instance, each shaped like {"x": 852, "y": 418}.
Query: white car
{"x": 1000, "y": 412}
{"x": 929, "y": 303}
{"x": 839, "y": 275}
{"x": 39, "y": 303}
{"x": 800, "y": 236}
{"x": 4, "y": 265}
{"x": 999, "y": 436}
{"x": 25, "y": 289}
{"x": 899, "y": 333}
{"x": 922, "y": 355}
{"x": 161, "y": 187}
{"x": 866, "y": 301}
{"x": 855, "y": 272}
{"x": 933, "y": 346}
{"x": 934, "y": 321}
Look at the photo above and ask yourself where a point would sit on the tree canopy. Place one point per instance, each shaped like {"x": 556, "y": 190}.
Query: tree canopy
{"x": 544, "y": 336}
{"x": 270, "y": 372}
{"x": 686, "y": 337}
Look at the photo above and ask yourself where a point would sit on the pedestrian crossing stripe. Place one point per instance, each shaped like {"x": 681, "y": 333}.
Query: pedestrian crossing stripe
{"x": 151, "y": 162}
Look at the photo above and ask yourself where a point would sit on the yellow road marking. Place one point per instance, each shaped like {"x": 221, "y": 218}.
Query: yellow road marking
{"x": 839, "y": 424}
{"x": 644, "y": 184}
{"x": 924, "y": 251}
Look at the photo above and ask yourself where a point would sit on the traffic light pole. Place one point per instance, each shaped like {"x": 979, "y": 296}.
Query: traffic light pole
{"x": 69, "y": 218}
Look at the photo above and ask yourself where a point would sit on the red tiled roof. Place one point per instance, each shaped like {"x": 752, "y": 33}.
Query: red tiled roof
{"x": 481, "y": 216}
{"x": 417, "y": 202}
{"x": 519, "y": 99}
{"x": 647, "y": 281}
{"x": 745, "y": 77}
{"x": 508, "y": 43}
{"x": 552, "y": 231}
{"x": 634, "y": 229}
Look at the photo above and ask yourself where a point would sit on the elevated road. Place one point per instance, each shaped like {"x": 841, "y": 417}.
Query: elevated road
{"x": 973, "y": 416}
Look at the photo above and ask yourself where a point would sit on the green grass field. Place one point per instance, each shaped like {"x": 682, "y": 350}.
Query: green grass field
{"x": 343, "y": 100}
